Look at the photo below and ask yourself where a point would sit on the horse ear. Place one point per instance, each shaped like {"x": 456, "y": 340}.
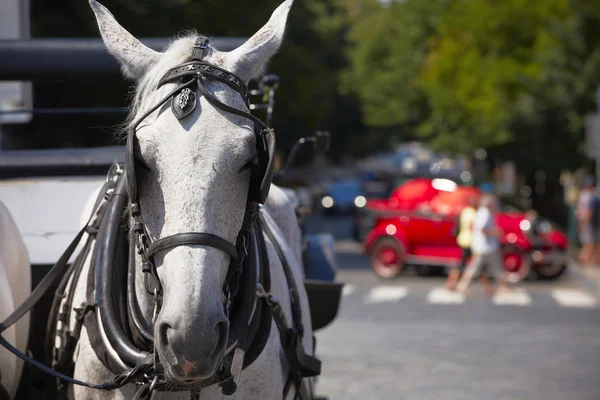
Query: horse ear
{"x": 135, "y": 58}
{"x": 250, "y": 58}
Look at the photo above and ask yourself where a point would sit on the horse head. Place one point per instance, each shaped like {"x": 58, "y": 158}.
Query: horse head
{"x": 192, "y": 174}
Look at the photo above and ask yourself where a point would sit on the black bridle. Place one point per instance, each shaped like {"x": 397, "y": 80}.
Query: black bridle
{"x": 191, "y": 77}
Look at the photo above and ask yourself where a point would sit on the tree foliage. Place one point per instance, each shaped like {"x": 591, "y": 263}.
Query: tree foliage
{"x": 512, "y": 76}
{"x": 507, "y": 74}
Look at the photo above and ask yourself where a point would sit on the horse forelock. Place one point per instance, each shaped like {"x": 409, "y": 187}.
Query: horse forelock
{"x": 146, "y": 90}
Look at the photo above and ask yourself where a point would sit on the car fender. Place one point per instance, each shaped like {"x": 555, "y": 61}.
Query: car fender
{"x": 516, "y": 239}
{"x": 386, "y": 228}
{"x": 558, "y": 239}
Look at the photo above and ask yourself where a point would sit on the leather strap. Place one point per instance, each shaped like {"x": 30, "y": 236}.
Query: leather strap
{"x": 218, "y": 104}
{"x": 56, "y": 271}
{"x": 190, "y": 239}
{"x": 198, "y": 68}
{"x": 200, "y": 48}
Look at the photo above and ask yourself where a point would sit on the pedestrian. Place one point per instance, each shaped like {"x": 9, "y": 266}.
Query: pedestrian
{"x": 485, "y": 246}
{"x": 463, "y": 239}
{"x": 587, "y": 215}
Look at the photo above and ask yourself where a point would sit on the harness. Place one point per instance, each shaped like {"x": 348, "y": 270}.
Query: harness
{"x": 121, "y": 338}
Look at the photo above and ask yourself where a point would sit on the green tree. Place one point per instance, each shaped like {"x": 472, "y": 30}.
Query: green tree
{"x": 510, "y": 76}
{"x": 388, "y": 48}
{"x": 480, "y": 71}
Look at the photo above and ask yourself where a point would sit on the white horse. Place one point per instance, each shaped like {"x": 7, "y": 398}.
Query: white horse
{"x": 15, "y": 287}
{"x": 196, "y": 182}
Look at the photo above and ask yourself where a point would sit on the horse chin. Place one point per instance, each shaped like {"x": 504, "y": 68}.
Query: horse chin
{"x": 187, "y": 382}
{"x": 191, "y": 380}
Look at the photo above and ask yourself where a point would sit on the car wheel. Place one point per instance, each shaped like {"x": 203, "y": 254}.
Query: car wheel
{"x": 550, "y": 271}
{"x": 387, "y": 257}
{"x": 516, "y": 264}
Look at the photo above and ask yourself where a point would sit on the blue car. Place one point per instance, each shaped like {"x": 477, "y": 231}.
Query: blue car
{"x": 343, "y": 196}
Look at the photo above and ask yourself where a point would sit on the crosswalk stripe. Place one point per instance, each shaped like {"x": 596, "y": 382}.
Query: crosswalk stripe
{"x": 573, "y": 298}
{"x": 348, "y": 289}
{"x": 444, "y": 296}
{"x": 517, "y": 297}
{"x": 382, "y": 294}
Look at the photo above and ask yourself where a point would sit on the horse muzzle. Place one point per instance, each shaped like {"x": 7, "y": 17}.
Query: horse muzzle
{"x": 190, "y": 355}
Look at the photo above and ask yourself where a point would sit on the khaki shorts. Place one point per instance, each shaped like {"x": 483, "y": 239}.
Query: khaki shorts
{"x": 491, "y": 263}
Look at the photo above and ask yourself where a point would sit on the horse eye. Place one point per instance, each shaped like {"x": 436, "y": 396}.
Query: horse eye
{"x": 253, "y": 161}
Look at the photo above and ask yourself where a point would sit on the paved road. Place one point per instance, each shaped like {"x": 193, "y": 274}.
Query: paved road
{"x": 410, "y": 339}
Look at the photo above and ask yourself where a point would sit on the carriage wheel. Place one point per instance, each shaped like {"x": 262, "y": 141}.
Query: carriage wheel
{"x": 387, "y": 257}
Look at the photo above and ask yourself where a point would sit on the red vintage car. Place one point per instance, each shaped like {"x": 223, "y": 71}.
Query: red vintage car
{"x": 416, "y": 226}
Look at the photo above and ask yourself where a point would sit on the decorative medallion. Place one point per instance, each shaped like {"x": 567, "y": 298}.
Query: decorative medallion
{"x": 184, "y": 103}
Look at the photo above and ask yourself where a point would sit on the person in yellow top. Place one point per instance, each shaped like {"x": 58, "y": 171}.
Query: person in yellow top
{"x": 465, "y": 221}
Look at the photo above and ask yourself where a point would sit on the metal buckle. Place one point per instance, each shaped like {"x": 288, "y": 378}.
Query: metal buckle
{"x": 202, "y": 45}
{"x": 114, "y": 171}
{"x": 260, "y": 290}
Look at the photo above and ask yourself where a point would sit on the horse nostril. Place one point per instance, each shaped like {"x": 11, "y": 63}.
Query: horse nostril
{"x": 222, "y": 330}
{"x": 163, "y": 331}
{"x": 168, "y": 351}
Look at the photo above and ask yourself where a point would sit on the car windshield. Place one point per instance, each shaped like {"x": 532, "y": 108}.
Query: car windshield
{"x": 346, "y": 187}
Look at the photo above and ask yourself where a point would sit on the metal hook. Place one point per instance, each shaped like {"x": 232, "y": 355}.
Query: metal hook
{"x": 153, "y": 384}
{"x": 114, "y": 171}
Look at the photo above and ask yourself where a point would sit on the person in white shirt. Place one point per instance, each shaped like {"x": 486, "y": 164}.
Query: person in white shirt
{"x": 485, "y": 246}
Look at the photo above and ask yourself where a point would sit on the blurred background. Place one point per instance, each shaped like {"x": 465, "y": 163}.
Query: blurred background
{"x": 506, "y": 89}
{"x": 421, "y": 98}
